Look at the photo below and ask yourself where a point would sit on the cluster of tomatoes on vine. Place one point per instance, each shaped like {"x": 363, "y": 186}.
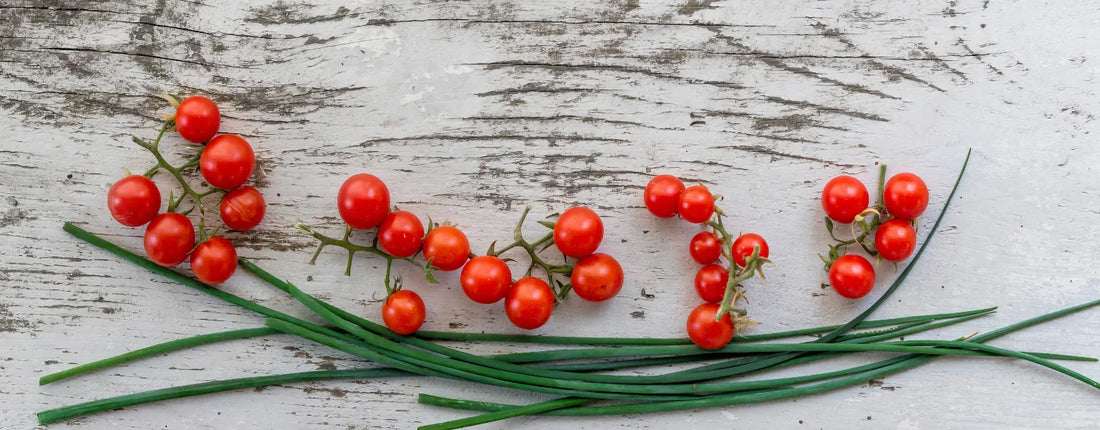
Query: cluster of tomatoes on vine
{"x": 363, "y": 202}
{"x": 886, "y": 230}
{"x": 712, "y": 324}
{"x": 226, "y": 162}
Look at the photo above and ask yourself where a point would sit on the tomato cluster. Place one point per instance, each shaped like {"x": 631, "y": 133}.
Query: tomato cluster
{"x": 364, "y": 203}
{"x": 226, "y": 162}
{"x": 892, "y": 222}
{"x": 711, "y": 324}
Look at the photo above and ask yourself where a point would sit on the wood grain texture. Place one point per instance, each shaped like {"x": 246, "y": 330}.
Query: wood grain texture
{"x": 472, "y": 109}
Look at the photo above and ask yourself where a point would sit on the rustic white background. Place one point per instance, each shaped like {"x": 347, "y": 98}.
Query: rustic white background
{"x": 470, "y": 110}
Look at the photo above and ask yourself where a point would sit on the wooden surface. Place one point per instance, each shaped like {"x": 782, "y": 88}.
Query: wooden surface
{"x": 471, "y": 110}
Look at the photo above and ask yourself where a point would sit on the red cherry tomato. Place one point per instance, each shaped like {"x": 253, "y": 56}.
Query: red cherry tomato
{"x": 662, "y": 195}
{"x": 895, "y": 240}
{"x": 852, "y": 276}
{"x": 843, "y": 198}
{"x": 710, "y": 282}
{"x": 707, "y": 333}
{"x": 529, "y": 303}
{"x": 133, "y": 200}
{"x": 696, "y": 204}
{"x": 705, "y": 247}
{"x": 597, "y": 277}
{"x": 401, "y": 234}
{"x": 905, "y": 196}
{"x": 197, "y": 119}
{"x": 169, "y": 238}
{"x": 485, "y": 279}
{"x": 403, "y": 312}
{"x": 447, "y": 248}
{"x": 363, "y": 201}
{"x": 743, "y": 247}
{"x": 227, "y": 162}
{"x": 578, "y": 232}
{"x": 243, "y": 208}
{"x": 214, "y": 261}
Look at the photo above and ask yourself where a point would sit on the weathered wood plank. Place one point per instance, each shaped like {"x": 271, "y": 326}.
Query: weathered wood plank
{"x": 471, "y": 110}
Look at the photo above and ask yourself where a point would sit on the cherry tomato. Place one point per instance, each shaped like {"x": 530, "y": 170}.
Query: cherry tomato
{"x": 578, "y": 232}
{"x": 843, "y": 198}
{"x": 447, "y": 248}
{"x": 743, "y": 247}
{"x": 710, "y": 282}
{"x": 529, "y": 303}
{"x": 696, "y": 204}
{"x": 227, "y": 162}
{"x": 705, "y": 247}
{"x": 403, "y": 312}
{"x": 401, "y": 234}
{"x": 169, "y": 238}
{"x": 905, "y": 196}
{"x": 133, "y": 200}
{"x": 485, "y": 279}
{"x": 364, "y": 201}
{"x": 895, "y": 240}
{"x": 214, "y": 261}
{"x": 662, "y": 195}
{"x": 597, "y": 277}
{"x": 243, "y": 208}
{"x": 852, "y": 276}
{"x": 707, "y": 333}
{"x": 197, "y": 119}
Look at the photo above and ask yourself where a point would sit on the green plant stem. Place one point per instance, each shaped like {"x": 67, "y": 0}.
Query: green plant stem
{"x": 675, "y": 350}
{"x": 161, "y": 348}
{"x": 507, "y": 413}
{"x": 503, "y": 368}
{"x": 422, "y": 364}
{"x": 574, "y": 340}
{"x": 72, "y": 411}
{"x": 904, "y": 363}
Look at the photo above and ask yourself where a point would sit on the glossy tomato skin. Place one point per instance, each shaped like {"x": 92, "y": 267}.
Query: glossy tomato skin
{"x": 905, "y": 196}
{"x": 447, "y": 248}
{"x": 705, "y": 247}
{"x": 852, "y": 276}
{"x": 529, "y": 303}
{"x": 169, "y": 238}
{"x": 744, "y": 245}
{"x": 401, "y": 234}
{"x": 363, "y": 201}
{"x": 214, "y": 261}
{"x": 403, "y": 312}
{"x": 597, "y": 277}
{"x": 696, "y": 204}
{"x": 707, "y": 333}
{"x": 895, "y": 240}
{"x": 578, "y": 232}
{"x": 662, "y": 196}
{"x": 197, "y": 119}
{"x": 243, "y": 208}
{"x": 133, "y": 200}
{"x": 227, "y": 162}
{"x": 485, "y": 279}
{"x": 710, "y": 282}
{"x": 843, "y": 198}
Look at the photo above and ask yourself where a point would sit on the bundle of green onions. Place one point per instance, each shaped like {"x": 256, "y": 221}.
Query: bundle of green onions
{"x": 577, "y": 375}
